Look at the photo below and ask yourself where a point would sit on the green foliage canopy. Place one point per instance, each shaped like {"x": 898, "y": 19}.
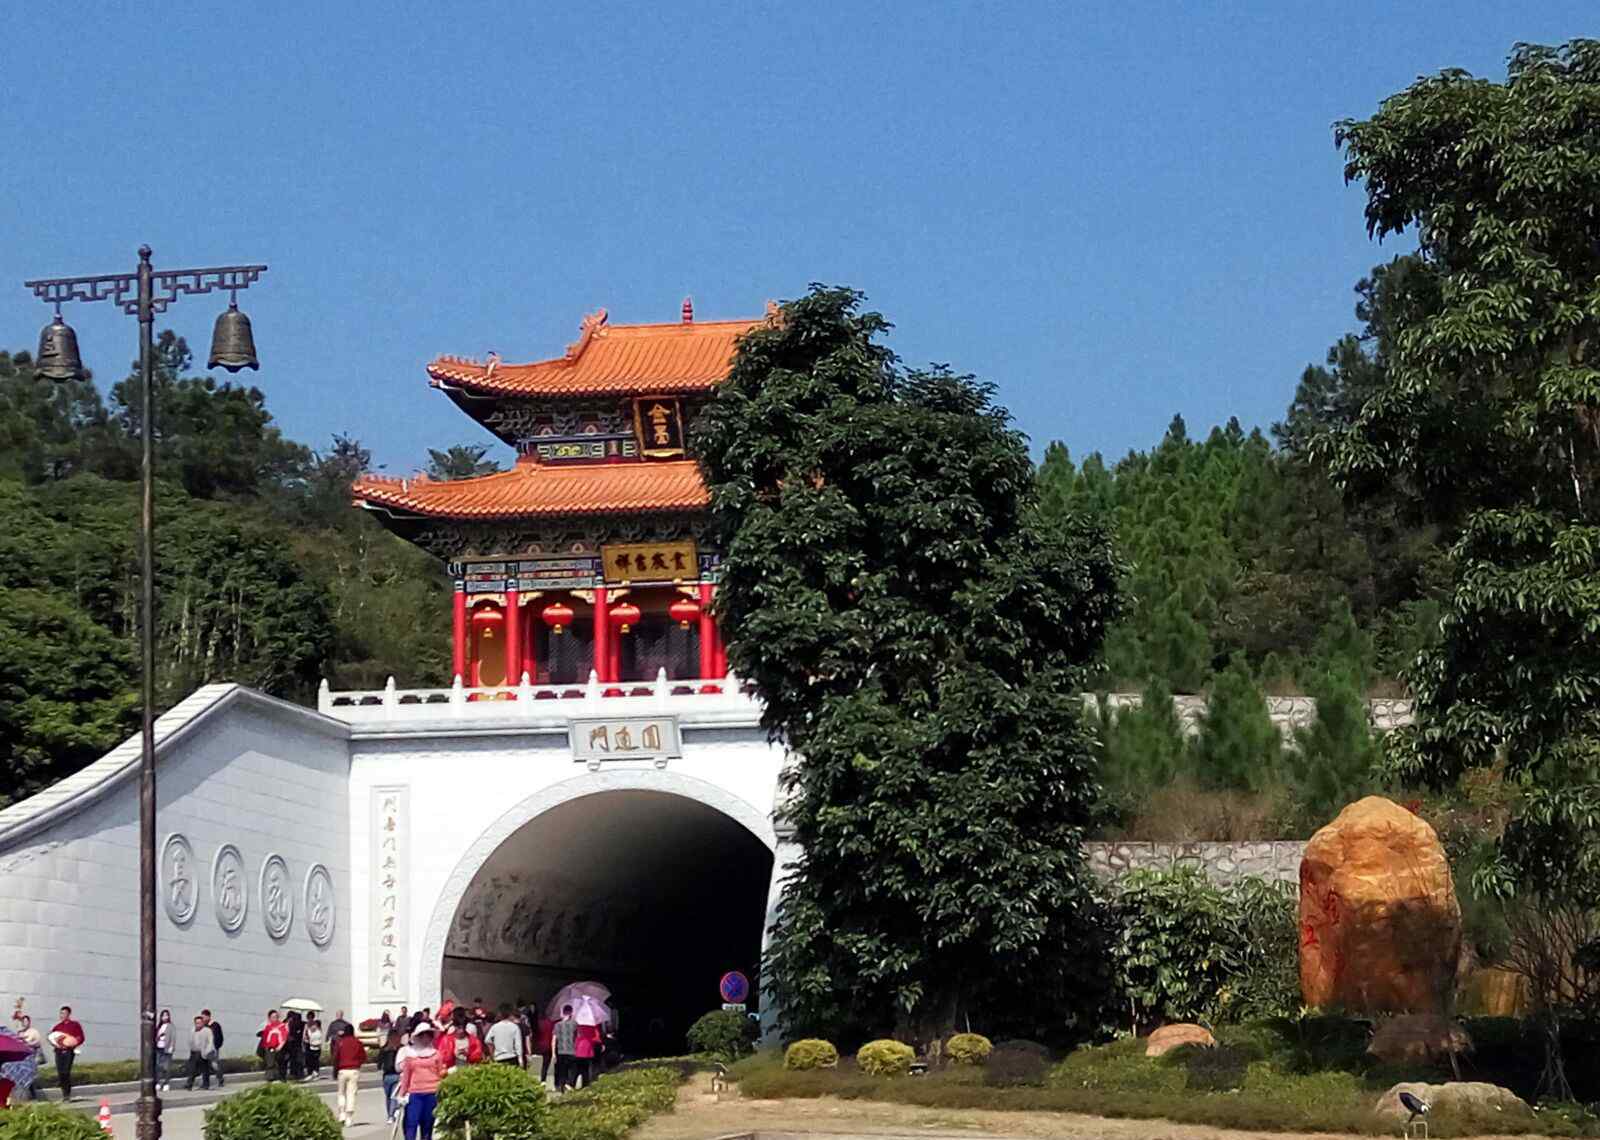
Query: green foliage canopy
{"x": 918, "y": 632}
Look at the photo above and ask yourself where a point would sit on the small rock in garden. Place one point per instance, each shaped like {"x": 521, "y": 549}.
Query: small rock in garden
{"x": 1455, "y": 1094}
{"x": 1169, "y": 1037}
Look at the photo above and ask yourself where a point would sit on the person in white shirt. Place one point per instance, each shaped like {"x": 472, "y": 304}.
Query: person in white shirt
{"x": 505, "y": 1038}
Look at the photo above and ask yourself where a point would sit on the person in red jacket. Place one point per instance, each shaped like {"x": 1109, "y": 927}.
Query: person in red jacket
{"x": 348, "y": 1057}
{"x": 66, "y": 1038}
{"x": 274, "y": 1037}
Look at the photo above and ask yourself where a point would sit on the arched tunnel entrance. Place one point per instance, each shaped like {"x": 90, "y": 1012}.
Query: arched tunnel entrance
{"x": 654, "y": 894}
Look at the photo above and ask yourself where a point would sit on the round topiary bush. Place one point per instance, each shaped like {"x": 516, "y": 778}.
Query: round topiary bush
{"x": 502, "y": 1101}
{"x": 968, "y": 1049}
{"x": 43, "y": 1121}
{"x": 885, "y": 1058}
{"x": 724, "y": 1034}
{"x": 810, "y": 1053}
{"x": 1016, "y": 1063}
{"x": 272, "y": 1112}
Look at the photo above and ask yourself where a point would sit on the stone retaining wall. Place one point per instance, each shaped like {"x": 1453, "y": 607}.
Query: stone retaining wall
{"x": 1288, "y": 713}
{"x": 1223, "y": 863}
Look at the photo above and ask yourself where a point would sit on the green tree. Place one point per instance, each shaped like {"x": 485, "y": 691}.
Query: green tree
{"x": 1335, "y": 759}
{"x": 919, "y": 635}
{"x": 1239, "y": 748}
{"x": 461, "y": 461}
{"x": 1143, "y": 748}
{"x": 1490, "y": 417}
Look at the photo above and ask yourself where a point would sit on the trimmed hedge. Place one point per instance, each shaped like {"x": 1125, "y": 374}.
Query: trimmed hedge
{"x": 885, "y": 1058}
{"x": 968, "y": 1049}
{"x": 503, "y": 1101}
{"x": 272, "y": 1112}
{"x": 613, "y": 1105}
{"x": 811, "y": 1053}
{"x": 46, "y": 1122}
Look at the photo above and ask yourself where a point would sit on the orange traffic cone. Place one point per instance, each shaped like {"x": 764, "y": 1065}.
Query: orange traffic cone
{"x": 105, "y": 1117}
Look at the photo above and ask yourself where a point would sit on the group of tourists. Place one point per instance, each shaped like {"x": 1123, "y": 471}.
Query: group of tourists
{"x": 205, "y": 1050}
{"x": 290, "y": 1044}
{"x": 20, "y": 1070}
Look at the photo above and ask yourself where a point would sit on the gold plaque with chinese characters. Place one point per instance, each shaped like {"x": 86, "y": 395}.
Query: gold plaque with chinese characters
{"x": 650, "y": 561}
{"x": 658, "y": 420}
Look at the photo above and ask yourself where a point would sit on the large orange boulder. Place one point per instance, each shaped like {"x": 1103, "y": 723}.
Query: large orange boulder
{"x": 1380, "y": 928}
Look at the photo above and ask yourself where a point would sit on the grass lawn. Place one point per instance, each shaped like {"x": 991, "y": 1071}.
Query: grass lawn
{"x": 1308, "y": 1076}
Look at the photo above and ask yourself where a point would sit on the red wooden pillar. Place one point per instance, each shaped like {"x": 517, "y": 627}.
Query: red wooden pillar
{"x": 513, "y": 634}
{"x": 602, "y": 634}
{"x": 708, "y": 634}
{"x": 458, "y": 644}
{"x": 530, "y": 642}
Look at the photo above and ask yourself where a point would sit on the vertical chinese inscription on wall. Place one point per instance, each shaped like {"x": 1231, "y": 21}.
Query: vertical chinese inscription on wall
{"x": 390, "y": 905}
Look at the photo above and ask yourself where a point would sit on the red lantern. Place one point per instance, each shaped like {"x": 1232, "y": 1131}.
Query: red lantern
{"x": 557, "y": 615}
{"x": 684, "y": 611}
{"x": 624, "y": 616}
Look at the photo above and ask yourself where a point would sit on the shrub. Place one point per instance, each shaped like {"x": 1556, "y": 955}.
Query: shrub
{"x": 1015, "y": 1065}
{"x": 968, "y": 1049}
{"x": 501, "y": 1101}
{"x": 613, "y": 1105}
{"x": 810, "y": 1053}
{"x": 270, "y": 1113}
{"x": 47, "y": 1122}
{"x": 724, "y": 1034}
{"x": 885, "y": 1058}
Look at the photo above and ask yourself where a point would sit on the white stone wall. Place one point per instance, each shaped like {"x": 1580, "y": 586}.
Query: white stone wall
{"x": 234, "y": 767}
{"x": 1223, "y": 863}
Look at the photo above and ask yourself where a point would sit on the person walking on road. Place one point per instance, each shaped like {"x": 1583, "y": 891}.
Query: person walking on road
{"x": 421, "y": 1070}
{"x": 66, "y": 1039}
{"x": 216, "y": 1031}
{"x": 348, "y": 1057}
{"x": 505, "y": 1039}
{"x": 544, "y": 1031}
{"x": 313, "y": 1048}
{"x": 202, "y": 1050}
{"x": 564, "y": 1048}
{"x": 164, "y": 1047}
{"x": 389, "y": 1067}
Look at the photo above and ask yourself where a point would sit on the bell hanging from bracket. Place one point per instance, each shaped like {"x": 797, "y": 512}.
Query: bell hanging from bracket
{"x": 233, "y": 345}
{"x": 58, "y": 351}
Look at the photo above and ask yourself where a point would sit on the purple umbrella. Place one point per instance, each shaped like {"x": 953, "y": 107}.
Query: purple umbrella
{"x": 18, "y": 1064}
{"x": 12, "y": 1047}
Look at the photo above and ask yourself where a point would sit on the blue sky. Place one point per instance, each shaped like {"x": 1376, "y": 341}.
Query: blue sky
{"x": 1113, "y": 211}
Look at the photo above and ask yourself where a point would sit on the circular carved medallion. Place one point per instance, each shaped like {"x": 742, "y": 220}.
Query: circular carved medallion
{"x": 321, "y": 912}
{"x": 230, "y": 894}
{"x": 180, "y": 888}
{"x": 277, "y": 901}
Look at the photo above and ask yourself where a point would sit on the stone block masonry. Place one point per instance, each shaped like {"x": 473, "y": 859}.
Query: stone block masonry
{"x": 1222, "y": 863}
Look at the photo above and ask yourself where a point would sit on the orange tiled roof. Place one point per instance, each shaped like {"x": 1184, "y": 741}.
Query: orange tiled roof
{"x": 609, "y": 360}
{"x": 532, "y": 490}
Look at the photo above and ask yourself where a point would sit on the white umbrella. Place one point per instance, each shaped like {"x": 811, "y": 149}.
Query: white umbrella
{"x": 592, "y": 1011}
{"x": 574, "y": 994}
{"x": 304, "y": 1005}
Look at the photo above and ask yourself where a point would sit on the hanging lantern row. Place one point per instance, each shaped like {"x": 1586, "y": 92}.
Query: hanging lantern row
{"x": 624, "y": 616}
{"x": 683, "y": 611}
{"x": 557, "y": 615}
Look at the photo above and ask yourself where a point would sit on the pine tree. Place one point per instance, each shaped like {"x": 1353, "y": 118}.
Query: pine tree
{"x": 1239, "y": 748}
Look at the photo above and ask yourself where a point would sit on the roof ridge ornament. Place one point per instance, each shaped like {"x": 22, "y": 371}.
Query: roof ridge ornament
{"x": 688, "y": 310}
{"x": 586, "y": 332}
{"x": 492, "y": 362}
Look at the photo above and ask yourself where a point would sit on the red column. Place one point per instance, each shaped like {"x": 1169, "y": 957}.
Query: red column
{"x": 513, "y": 634}
{"x": 602, "y": 634}
{"x": 708, "y": 635}
{"x": 458, "y": 654}
{"x": 530, "y": 642}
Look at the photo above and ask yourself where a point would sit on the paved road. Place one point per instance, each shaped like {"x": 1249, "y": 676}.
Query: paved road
{"x": 182, "y": 1118}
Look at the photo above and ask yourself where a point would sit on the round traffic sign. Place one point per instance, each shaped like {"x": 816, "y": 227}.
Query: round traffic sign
{"x": 735, "y": 987}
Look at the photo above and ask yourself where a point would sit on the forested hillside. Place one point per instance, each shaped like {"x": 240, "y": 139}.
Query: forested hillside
{"x": 1248, "y": 571}
{"x": 266, "y": 576}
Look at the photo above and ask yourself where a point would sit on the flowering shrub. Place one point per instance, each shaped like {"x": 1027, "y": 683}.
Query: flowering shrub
{"x": 810, "y": 1053}
{"x": 885, "y": 1058}
{"x": 968, "y": 1049}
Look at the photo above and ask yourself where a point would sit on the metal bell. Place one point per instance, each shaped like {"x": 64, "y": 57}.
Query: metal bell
{"x": 58, "y": 352}
{"x": 233, "y": 345}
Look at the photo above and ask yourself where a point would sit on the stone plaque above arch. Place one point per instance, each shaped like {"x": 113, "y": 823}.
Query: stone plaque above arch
{"x": 321, "y": 909}
{"x": 230, "y": 892}
{"x": 180, "y": 890}
{"x": 277, "y": 898}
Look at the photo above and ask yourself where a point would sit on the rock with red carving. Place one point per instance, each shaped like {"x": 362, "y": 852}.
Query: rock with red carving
{"x": 1380, "y": 927}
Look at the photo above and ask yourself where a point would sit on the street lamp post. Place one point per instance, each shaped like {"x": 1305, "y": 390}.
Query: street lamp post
{"x": 144, "y": 293}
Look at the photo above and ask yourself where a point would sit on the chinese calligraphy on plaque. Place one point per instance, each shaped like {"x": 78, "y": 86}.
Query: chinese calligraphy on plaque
{"x": 658, "y": 422}
{"x": 390, "y": 903}
{"x": 650, "y": 561}
{"x": 625, "y": 738}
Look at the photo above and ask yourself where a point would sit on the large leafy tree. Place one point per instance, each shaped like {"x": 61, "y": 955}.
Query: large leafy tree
{"x": 461, "y": 461}
{"x": 1489, "y": 414}
{"x": 919, "y": 634}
